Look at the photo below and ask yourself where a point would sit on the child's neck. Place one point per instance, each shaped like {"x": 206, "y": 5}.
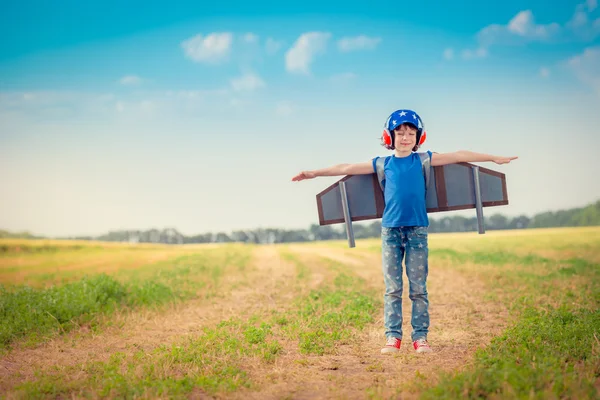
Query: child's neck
{"x": 402, "y": 154}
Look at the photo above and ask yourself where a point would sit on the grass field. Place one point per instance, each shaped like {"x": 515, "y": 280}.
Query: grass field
{"x": 514, "y": 314}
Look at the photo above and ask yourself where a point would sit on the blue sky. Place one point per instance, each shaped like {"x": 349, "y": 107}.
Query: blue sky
{"x": 196, "y": 116}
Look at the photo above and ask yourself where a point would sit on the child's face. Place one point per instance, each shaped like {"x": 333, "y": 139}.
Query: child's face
{"x": 405, "y": 137}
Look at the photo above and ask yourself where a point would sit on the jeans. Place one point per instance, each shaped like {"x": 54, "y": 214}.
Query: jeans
{"x": 410, "y": 243}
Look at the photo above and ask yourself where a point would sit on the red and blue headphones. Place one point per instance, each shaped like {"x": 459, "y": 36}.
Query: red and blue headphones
{"x": 398, "y": 118}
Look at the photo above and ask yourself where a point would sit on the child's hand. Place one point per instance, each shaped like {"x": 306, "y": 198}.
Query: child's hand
{"x": 504, "y": 160}
{"x": 304, "y": 175}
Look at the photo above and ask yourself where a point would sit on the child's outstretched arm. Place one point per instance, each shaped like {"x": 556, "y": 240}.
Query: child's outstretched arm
{"x": 467, "y": 156}
{"x": 340, "y": 169}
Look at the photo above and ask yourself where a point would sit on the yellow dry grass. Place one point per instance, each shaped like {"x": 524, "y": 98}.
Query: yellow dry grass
{"x": 70, "y": 260}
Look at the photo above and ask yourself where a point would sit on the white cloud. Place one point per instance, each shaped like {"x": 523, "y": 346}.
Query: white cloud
{"x": 185, "y": 94}
{"x": 235, "y": 102}
{"x": 449, "y": 53}
{"x": 586, "y": 67}
{"x": 580, "y": 23}
{"x": 272, "y": 46}
{"x": 521, "y": 23}
{"x": 522, "y": 26}
{"x": 73, "y": 104}
{"x": 304, "y": 50}
{"x": 212, "y": 48}
{"x": 519, "y": 29}
{"x": 361, "y": 42}
{"x": 544, "y": 72}
{"x": 250, "y": 38}
{"x": 130, "y": 80}
{"x": 247, "y": 82}
{"x": 58, "y": 104}
{"x": 480, "y": 52}
{"x": 579, "y": 19}
{"x": 343, "y": 77}
{"x": 148, "y": 106}
{"x": 194, "y": 94}
{"x": 42, "y": 99}
{"x": 284, "y": 109}
{"x": 136, "y": 107}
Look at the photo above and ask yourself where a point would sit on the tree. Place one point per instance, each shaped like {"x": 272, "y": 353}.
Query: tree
{"x": 222, "y": 237}
{"x": 520, "y": 222}
{"x": 240, "y": 236}
{"x": 498, "y": 221}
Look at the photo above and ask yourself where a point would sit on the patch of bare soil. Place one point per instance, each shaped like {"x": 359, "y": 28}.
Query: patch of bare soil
{"x": 147, "y": 329}
{"x": 461, "y": 322}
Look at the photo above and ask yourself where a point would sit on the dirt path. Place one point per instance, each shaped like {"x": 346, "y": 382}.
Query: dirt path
{"x": 147, "y": 329}
{"x": 461, "y": 322}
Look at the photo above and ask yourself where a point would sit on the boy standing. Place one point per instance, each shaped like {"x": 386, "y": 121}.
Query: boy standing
{"x": 404, "y": 222}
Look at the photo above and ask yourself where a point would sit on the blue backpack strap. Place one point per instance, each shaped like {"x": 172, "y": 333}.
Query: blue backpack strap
{"x": 379, "y": 166}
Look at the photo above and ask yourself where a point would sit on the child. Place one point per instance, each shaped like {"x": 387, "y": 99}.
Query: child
{"x": 404, "y": 222}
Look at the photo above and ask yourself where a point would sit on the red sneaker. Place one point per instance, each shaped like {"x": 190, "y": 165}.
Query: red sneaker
{"x": 421, "y": 346}
{"x": 392, "y": 345}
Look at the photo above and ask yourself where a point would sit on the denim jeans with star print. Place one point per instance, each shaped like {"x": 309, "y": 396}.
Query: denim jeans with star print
{"x": 408, "y": 243}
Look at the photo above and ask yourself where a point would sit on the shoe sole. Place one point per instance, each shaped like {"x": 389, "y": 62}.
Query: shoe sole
{"x": 385, "y": 351}
{"x": 424, "y": 351}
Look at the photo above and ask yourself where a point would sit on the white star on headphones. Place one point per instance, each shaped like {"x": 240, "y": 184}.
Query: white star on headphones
{"x": 402, "y": 113}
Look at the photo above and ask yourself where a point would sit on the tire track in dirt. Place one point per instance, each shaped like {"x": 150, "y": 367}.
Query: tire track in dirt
{"x": 461, "y": 322}
{"x": 268, "y": 286}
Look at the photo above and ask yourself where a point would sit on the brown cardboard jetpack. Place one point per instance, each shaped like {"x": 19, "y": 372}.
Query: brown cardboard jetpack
{"x": 449, "y": 188}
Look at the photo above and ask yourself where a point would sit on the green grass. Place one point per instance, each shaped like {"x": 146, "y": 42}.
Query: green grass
{"x": 302, "y": 271}
{"x": 552, "y": 350}
{"x": 34, "y": 247}
{"x": 26, "y": 311}
{"x": 497, "y": 258}
{"x": 331, "y": 314}
{"x": 217, "y": 361}
{"x": 212, "y": 362}
{"x": 547, "y": 354}
{"x": 35, "y": 314}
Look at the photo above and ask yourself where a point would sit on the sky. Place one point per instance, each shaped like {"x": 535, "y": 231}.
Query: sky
{"x": 196, "y": 115}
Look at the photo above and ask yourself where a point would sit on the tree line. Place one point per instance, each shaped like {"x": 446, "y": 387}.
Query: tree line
{"x": 584, "y": 216}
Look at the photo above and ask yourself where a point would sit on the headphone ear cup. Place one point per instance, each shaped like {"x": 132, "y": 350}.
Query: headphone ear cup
{"x": 386, "y": 139}
{"x": 423, "y": 138}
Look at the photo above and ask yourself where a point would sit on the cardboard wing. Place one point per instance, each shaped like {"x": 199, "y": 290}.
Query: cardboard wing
{"x": 451, "y": 187}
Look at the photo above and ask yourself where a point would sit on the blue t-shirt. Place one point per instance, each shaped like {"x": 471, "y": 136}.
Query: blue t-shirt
{"x": 404, "y": 194}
